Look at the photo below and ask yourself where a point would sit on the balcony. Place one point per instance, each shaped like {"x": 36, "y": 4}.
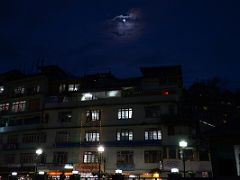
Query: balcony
{"x": 66, "y": 144}
{"x": 194, "y": 166}
{"x": 126, "y": 166}
{"x": 10, "y": 146}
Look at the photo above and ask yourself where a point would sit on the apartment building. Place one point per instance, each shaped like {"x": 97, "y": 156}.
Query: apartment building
{"x": 137, "y": 120}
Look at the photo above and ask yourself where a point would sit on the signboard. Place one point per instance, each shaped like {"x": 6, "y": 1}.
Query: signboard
{"x": 82, "y": 167}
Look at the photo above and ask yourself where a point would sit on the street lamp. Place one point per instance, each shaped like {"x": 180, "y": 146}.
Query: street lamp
{"x": 39, "y": 151}
{"x": 183, "y": 144}
{"x": 100, "y": 150}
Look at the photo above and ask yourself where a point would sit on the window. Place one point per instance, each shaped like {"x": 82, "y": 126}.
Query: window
{"x": 19, "y": 90}
{"x": 115, "y": 93}
{"x": 26, "y": 158}
{"x": 93, "y": 115}
{"x": 9, "y": 158}
{"x": 34, "y": 105}
{"x": 171, "y": 130}
{"x": 172, "y": 109}
{"x": 4, "y": 107}
{"x": 62, "y": 88}
{"x": 87, "y": 97}
{"x": 90, "y": 157}
{"x": 125, "y": 113}
{"x": 65, "y": 116}
{"x": 13, "y": 138}
{"x": 152, "y": 156}
{"x": 36, "y": 88}
{"x": 73, "y": 87}
{"x": 153, "y": 111}
{"x": 124, "y": 135}
{"x": 153, "y": 134}
{"x": 34, "y": 138}
{"x": 1, "y": 89}
{"x": 19, "y": 106}
{"x": 125, "y": 157}
{"x": 172, "y": 153}
{"x": 188, "y": 154}
{"x": 60, "y": 157}
{"x": 62, "y": 137}
{"x": 92, "y": 136}
{"x": 203, "y": 156}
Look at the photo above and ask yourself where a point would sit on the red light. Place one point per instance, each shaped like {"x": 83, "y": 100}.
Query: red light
{"x": 165, "y": 92}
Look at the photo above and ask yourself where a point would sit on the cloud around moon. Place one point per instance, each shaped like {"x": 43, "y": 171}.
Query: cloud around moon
{"x": 127, "y": 27}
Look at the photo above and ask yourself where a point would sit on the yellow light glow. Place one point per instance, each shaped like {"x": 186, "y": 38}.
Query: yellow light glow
{"x": 156, "y": 175}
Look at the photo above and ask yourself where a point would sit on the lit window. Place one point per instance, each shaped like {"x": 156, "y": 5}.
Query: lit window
{"x": 62, "y": 88}
{"x": 87, "y": 97}
{"x": 19, "y": 106}
{"x": 114, "y": 93}
{"x": 124, "y": 135}
{"x": 1, "y": 89}
{"x": 90, "y": 157}
{"x": 19, "y": 90}
{"x": 4, "y": 107}
{"x": 153, "y": 134}
{"x": 36, "y": 88}
{"x": 125, "y": 113}
{"x": 73, "y": 87}
{"x": 93, "y": 115}
{"x": 92, "y": 136}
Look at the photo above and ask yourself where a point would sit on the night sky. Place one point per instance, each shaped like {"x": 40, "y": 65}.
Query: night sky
{"x": 97, "y": 36}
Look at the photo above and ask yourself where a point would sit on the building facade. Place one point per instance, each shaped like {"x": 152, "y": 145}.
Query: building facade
{"x": 138, "y": 121}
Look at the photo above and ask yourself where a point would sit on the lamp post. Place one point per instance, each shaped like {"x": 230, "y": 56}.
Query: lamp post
{"x": 100, "y": 150}
{"x": 39, "y": 151}
{"x": 183, "y": 144}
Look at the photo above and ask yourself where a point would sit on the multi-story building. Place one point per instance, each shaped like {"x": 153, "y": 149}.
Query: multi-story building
{"x": 137, "y": 120}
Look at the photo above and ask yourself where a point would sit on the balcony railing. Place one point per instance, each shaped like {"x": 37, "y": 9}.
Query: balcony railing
{"x": 10, "y": 146}
{"x": 168, "y": 164}
{"x": 126, "y": 166}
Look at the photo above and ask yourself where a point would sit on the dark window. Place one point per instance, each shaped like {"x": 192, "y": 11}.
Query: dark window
{"x": 13, "y": 138}
{"x": 171, "y": 130}
{"x": 203, "y": 156}
{"x": 9, "y": 158}
{"x": 34, "y": 138}
{"x": 27, "y": 158}
{"x": 153, "y": 111}
{"x": 62, "y": 137}
{"x": 65, "y": 116}
{"x": 34, "y": 105}
{"x": 171, "y": 109}
{"x": 188, "y": 154}
{"x": 152, "y": 156}
{"x": 172, "y": 153}
{"x": 60, "y": 157}
{"x": 125, "y": 157}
